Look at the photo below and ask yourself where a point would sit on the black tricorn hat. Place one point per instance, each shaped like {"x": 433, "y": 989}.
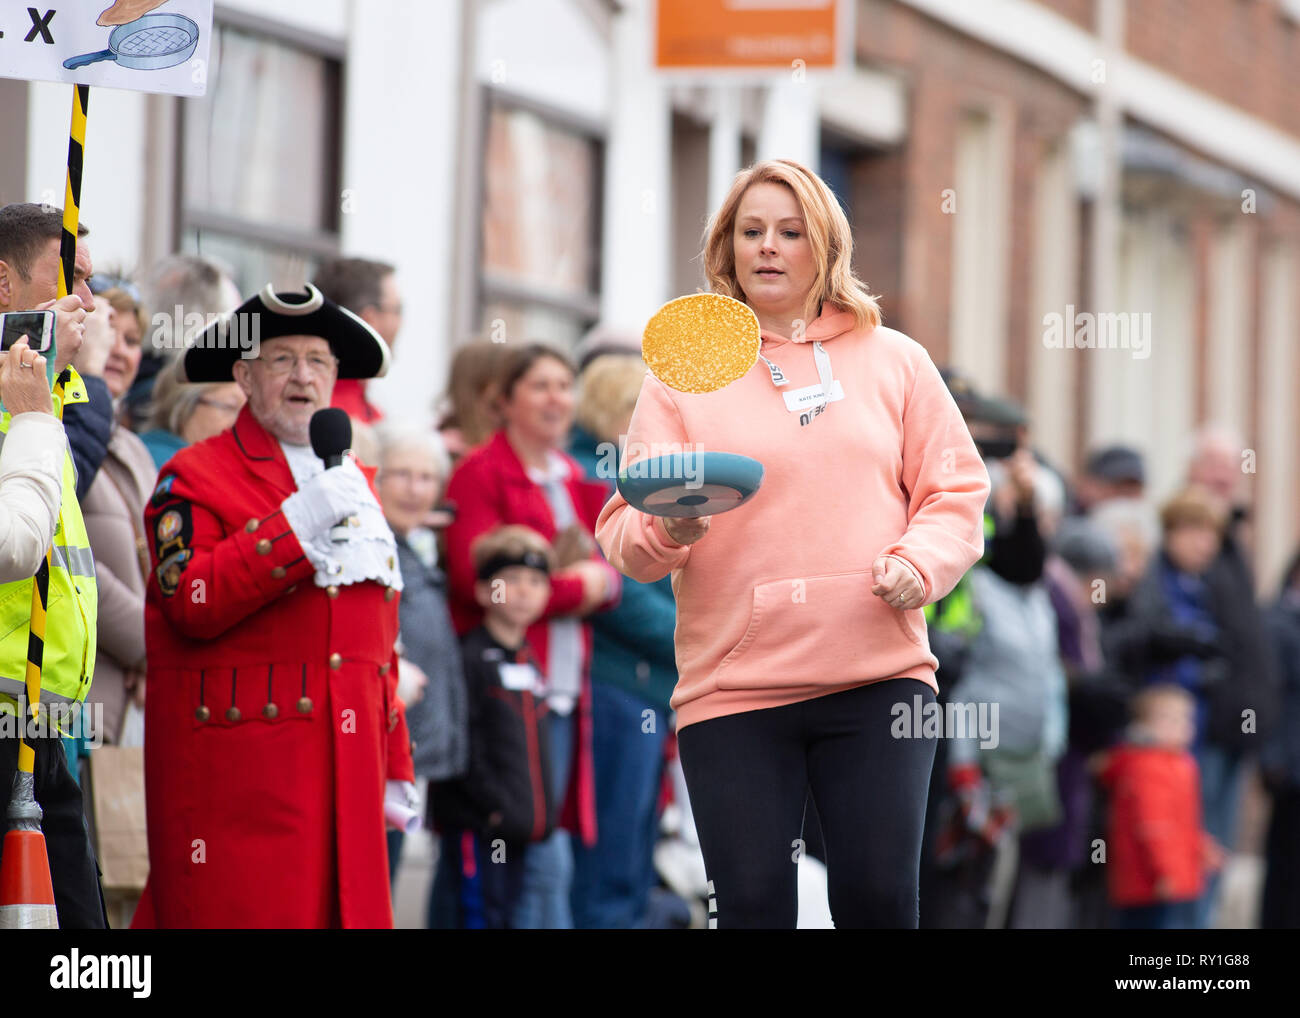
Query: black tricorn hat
{"x": 212, "y": 353}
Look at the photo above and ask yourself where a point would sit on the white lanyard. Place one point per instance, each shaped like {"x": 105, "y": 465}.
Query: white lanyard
{"x": 823, "y": 361}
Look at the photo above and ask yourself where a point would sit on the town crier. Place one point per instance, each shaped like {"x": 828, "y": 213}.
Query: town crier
{"x": 273, "y": 733}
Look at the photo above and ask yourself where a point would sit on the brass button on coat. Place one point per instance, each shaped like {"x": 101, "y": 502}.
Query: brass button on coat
{"x": 203, "y": 713}
{"x": 251, "y": 526}
{"x": 278, "y": 573}
{"x": 392, "y": 718}
{"x": 233, "y": 714}
{"x": 336, "y": 661}
{"x": 383, "y": 669}
{"x": 270, "y": 712}
{"x": 332, "y": 590}
{"x": 304, "y": 705}
{"x": 389, "y": 594}
{"x": 263, "y": 547}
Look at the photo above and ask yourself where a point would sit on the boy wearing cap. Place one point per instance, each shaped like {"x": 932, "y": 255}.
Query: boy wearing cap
{"x": 489, "y": 816}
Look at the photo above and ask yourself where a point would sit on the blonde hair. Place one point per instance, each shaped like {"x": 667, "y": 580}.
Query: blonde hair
{"x": 1144, "y": 703}
{"x": 828, "y": 233}
{"x": 610, "y": 385}
{"x": 123, "y": 303}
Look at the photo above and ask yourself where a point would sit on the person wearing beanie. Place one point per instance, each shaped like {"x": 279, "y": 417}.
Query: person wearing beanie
{"x": 505, "y": 802}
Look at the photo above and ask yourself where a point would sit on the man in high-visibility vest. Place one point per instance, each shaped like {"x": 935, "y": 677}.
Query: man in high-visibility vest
{"x": 36, "y": 469}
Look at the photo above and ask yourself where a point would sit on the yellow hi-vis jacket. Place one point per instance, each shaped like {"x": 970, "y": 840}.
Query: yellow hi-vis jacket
{"x": 71, "y": 609}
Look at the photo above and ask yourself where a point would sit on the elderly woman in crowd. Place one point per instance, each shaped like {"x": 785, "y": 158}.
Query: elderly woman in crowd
{"x": 412, "y": 469}
{"x": 185, "y": 413}
{"x": 113, "y": 510}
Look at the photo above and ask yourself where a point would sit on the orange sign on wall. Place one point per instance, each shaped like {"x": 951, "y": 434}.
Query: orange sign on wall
{"x": 737, "y": 34}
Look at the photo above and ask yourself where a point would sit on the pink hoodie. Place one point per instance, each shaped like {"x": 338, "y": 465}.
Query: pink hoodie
{"x": 774, "y": 603}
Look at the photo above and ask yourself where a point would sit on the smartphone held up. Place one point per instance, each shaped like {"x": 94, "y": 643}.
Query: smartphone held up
{"x": 36, "y": 328}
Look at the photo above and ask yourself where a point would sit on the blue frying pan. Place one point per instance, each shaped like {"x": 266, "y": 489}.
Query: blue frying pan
{"x": 690, "y": 485}
{"x": 149, "y": 43}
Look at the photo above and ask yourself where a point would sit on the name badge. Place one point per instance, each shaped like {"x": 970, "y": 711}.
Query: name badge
{"x": 807, "y": 398}
{"x": 518, "y": 677}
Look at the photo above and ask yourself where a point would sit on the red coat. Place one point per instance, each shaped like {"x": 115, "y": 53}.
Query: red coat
{"x": 350, "y": 397}
{"x": 490, "y": 488}
{"x": 1155, "y": 825}
{"x": 270, "y": 815}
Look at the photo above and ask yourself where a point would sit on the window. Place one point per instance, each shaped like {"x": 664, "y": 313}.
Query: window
{"x": 260, "y": 159}
{"x": 868, "y": 183}
{"x": 690, "y": 196}
{"x": 540, "y": 227}
{"x": 978, "y": 207}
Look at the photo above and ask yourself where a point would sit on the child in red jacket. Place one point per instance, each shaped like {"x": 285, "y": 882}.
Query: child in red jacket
{"x": 1159, "y": 854}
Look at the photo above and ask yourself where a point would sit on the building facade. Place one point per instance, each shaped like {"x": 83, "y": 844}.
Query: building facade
{"x": 1092, "y": 206}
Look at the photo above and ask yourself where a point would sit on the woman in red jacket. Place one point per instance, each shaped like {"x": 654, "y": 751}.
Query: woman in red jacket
{"x": 520, "y": 476}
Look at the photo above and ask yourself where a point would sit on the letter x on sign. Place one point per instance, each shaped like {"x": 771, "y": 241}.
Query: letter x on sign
{"x": 41, "y": 25}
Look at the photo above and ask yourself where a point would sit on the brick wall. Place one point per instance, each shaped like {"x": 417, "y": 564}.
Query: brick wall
{"x": 1245, "y": 52}
{"x": 1081, "y": 12}
{"x": 946, "y": 72}
{"x": 878, "y": 186}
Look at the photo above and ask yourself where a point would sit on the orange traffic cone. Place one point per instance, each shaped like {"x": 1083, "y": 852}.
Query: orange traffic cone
{"x": 26, "y": 890}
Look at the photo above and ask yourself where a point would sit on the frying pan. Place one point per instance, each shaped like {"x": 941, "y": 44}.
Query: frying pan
{"x": 149, "y": 43}
{"x": 658, "y": 486}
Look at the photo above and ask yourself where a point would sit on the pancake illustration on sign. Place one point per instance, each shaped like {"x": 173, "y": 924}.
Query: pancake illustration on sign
{"x": 125, "y": 11}
{"x": 696, "y": 344}
{"x": 140, "y": 40}
{"x": 701, "y": 343}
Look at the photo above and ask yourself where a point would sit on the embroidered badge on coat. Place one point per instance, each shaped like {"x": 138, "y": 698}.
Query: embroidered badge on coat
{"x": 173, "y": 531}
{"x": 163, "y": 489}
{"x": 169, "y": 571}
{"x": 169, "y": 525}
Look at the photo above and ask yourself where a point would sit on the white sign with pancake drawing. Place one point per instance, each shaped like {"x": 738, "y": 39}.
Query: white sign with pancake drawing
{"x": 139, "y": 45}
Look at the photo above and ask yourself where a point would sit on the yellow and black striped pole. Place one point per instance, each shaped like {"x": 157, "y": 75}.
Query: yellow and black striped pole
{"x": 67, "y": 262}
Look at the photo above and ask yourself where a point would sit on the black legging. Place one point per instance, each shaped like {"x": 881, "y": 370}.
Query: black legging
{"x": 749, "y": 774}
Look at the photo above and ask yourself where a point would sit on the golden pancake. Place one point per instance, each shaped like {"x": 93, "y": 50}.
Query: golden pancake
{"x": 701, "y": 343}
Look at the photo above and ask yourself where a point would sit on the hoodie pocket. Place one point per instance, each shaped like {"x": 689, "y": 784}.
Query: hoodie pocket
{"x": 827, "y": 629}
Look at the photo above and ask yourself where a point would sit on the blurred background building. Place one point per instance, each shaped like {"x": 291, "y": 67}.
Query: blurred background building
{"x": 531, "y": 171}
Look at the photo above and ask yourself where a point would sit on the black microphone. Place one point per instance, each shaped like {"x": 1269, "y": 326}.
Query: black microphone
{"x": 331, "y": 436}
